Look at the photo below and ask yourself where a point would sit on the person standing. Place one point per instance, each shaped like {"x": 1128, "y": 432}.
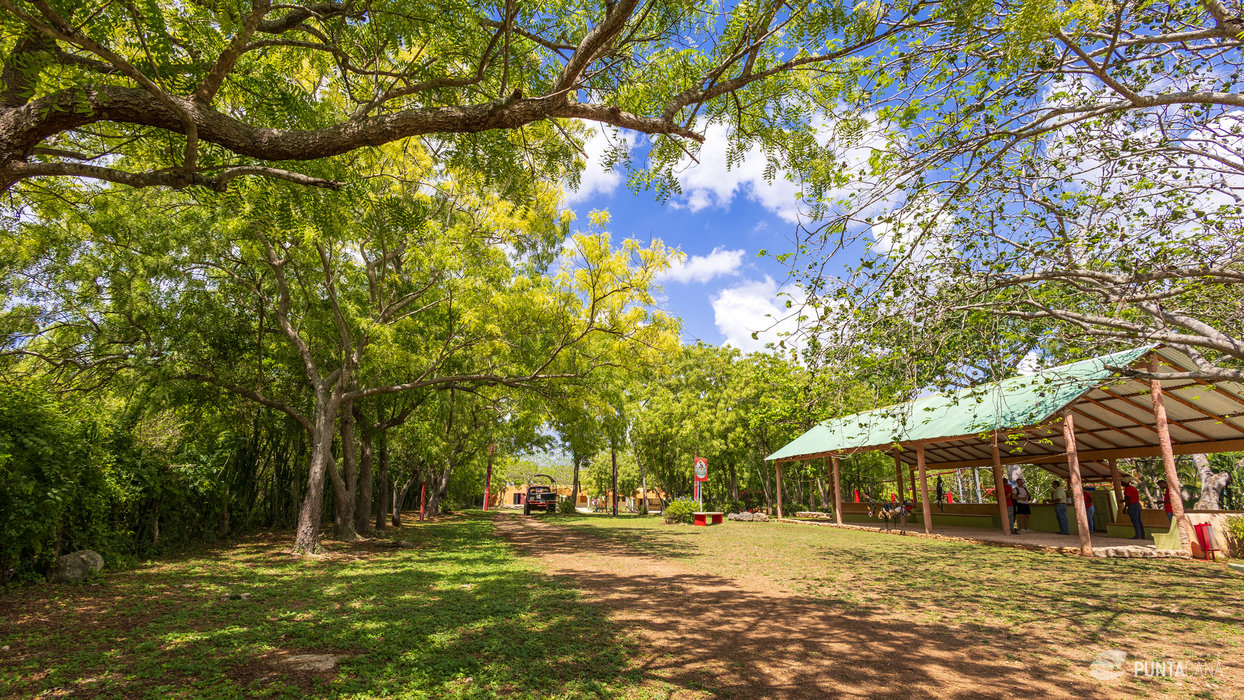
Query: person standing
{"x": 1166, "y": 500}
{"x": 1023, "y": 505}
{"x": 1060, "y": 508}
{"x": 1131, "y": 497}
{"x": 1089, "y": 509}
{"x": 1010, "y": 506}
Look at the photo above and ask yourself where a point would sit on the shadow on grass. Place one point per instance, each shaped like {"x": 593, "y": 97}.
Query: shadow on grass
{"x": 783, "y": 612}
{"x": 713, "y": 633}
{"x": 457, "y": 615}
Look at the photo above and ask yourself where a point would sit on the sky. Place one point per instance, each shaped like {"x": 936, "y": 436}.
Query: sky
{"x": 724, "y": 216}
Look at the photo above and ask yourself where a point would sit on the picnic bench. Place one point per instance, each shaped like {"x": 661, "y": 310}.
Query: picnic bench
{"x": 707, "y": 518}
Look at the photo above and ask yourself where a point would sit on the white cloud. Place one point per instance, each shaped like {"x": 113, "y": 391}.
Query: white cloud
{"x": 715, "y": 180}
{"x": 754, "y": 307}
{"x": 702, "y": 268}
{"x": 1029, "y": 365}
{"x": 596, "y": 178}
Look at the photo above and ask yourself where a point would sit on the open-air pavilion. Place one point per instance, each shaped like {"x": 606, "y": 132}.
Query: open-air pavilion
{"x": 1075, "y": 421}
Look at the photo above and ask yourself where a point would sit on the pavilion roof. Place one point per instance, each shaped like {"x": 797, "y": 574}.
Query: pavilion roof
{"x": 1113, "y": 416}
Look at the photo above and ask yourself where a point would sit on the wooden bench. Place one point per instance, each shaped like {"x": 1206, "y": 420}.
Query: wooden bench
{"x": 707, "y": 518}
{"x": 1170, "y": 539}
{"x": 956, "y": 519}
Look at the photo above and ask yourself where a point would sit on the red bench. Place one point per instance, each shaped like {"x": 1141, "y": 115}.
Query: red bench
{"x": 707, "y": 518}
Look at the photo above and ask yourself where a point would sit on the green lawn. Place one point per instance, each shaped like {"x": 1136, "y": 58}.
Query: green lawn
{"x": 457, "y": 616}
{"x": 1030, "y": 607}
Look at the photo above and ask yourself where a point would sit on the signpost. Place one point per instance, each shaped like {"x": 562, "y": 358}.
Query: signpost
{"x": 701, "y": 475}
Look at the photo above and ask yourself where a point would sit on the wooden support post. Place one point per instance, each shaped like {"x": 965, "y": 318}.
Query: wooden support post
{"x": 898, "y": 474}
{"x": 999, "y": 489}
{"x": 833, "y": 460}
{"x": 1168, "y": 458}
{"x": 779, "y": 489}
{"x": 1077, "y": 486}
{"x": 911, "y": 474}
{"x": 924, "y": 489}
{"x": 1118, "y": 487}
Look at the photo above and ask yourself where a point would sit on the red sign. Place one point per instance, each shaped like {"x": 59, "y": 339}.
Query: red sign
{"x": 701, "y": 469}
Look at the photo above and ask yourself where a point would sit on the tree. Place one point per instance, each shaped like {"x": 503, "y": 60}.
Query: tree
{"x": 1064, "y": 173}
{"x": 311, "y": 302}
{"x": 201, "y": 94}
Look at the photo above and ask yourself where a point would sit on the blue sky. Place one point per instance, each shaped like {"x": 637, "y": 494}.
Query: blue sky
{"x": 723, "y": 218}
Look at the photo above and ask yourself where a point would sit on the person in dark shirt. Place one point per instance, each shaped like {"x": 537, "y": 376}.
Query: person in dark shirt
{"x": 1132, "y": 498}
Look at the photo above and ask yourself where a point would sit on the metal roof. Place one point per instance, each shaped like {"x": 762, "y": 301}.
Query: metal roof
{"x": 1113, "y": 416}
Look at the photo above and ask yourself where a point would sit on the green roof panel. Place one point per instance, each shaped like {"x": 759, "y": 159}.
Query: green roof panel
{"x": 1010, "y": 403}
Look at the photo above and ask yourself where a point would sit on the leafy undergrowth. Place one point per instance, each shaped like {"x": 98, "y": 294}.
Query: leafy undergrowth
{"x": 454, "y": 615}
{"x": 1022, "y": 607}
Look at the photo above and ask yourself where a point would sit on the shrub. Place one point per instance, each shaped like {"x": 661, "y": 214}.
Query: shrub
{"x": 1235, "y": 536}
{"x": 679, "y": 510}
{"x": 565, "y": 507}
{"x": 57, "y": 484}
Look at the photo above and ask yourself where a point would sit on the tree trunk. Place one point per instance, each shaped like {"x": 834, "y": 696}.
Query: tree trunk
{"x": 1211, "y": 485}
{"x": 363, "y": 495}
{"x": 307, "y": 537}
{"x": 976, "y": 477}
{"x": 345, "y": 483}
{"x": 224, "y": 516}
{"x": 1152, "y": 500}
{"x": 643, "y": 487}
{"x": 399, "y": 497}
{"x": 383, "y": 498}
{"x": 574, "y": 488}
{"x": 764, "y": 482}
{"x": 436, "y": 488}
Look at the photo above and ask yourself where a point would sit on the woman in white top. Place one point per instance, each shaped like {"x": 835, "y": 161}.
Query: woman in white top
{"x": 1023, "y": 505}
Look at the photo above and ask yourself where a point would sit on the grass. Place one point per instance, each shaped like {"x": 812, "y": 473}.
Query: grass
{"x": 1027, "y": 607}
{"x": 456, "y": 614}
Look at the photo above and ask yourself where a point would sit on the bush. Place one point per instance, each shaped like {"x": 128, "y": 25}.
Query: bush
{"x": 1235, "y": 537}
{"x": 679, "y": 510}
{"x": 57, "y": 484}
{"x": 565, "y": 507}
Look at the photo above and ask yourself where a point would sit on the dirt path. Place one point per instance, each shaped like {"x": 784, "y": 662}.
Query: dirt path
{"x": 719, "y": 637}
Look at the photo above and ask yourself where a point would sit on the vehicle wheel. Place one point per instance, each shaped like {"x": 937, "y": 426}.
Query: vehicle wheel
{"x": 526, "y": 509}
{"x": 552, "y": 508}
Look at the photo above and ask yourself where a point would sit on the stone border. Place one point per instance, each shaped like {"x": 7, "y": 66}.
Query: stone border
{"x": 1130, "y": 552}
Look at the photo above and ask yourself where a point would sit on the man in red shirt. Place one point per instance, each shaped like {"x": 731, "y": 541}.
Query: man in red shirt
{"x": 1166, "y": 500}
{"x": 1010, "y": 506}
{"x": 1090, "y": 510}
{"x": 1132, "y": 498}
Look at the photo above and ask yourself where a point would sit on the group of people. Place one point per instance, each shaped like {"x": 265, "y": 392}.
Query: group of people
{"x": 1019, "y": 505}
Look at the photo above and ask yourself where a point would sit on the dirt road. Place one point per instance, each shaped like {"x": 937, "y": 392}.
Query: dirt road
{"x": 714, "y": 636}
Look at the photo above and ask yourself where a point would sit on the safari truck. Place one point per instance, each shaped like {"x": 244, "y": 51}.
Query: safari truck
{"x": 540, "y": 496}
